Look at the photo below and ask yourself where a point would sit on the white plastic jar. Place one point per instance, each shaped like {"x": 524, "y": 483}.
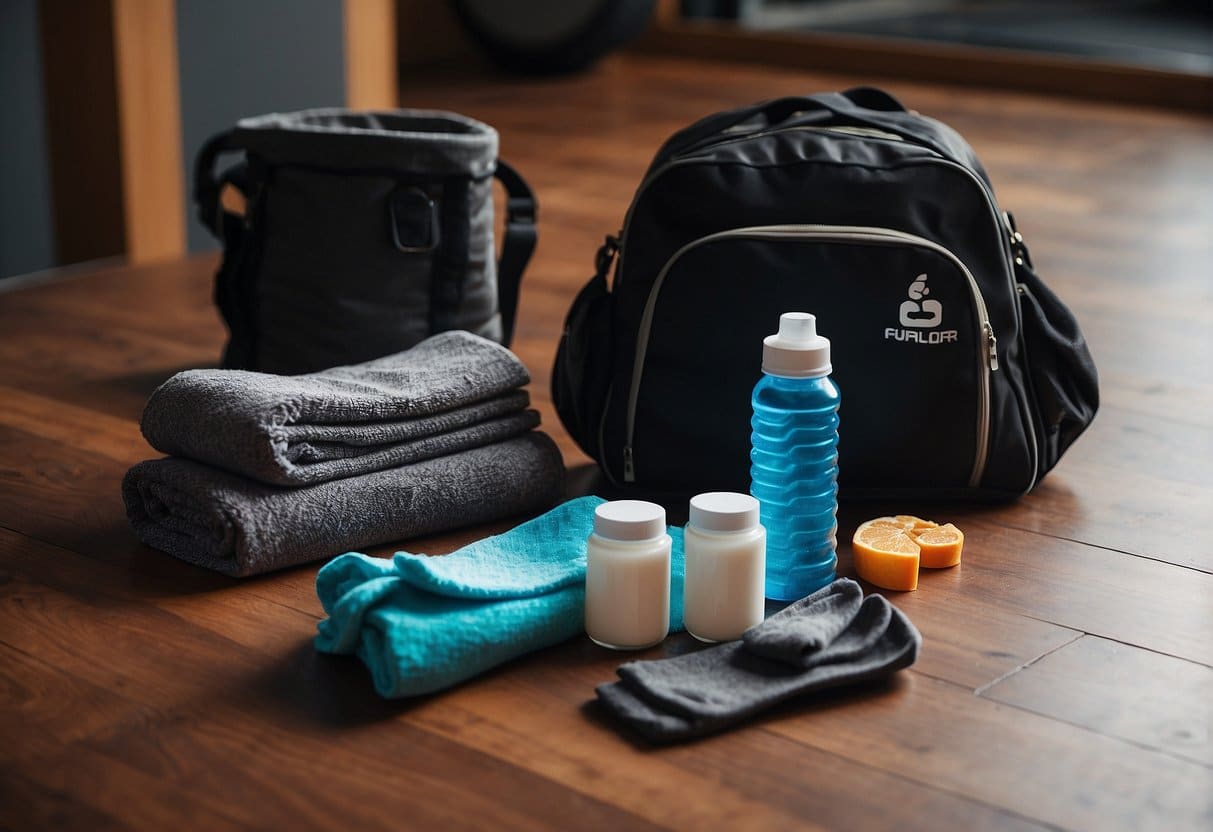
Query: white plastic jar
{"x": 627, "y": 576}
{"x": 726, "y": 566}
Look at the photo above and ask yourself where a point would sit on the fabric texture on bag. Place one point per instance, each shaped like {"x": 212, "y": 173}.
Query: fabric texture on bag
{"x": 451, "y": 392}
{"x": 363, "y": 233}
{"x": 234, "y": 525}
{"x": 421, "y": 624}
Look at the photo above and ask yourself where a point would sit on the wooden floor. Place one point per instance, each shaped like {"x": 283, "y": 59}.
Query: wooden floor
{"x": 1066, "y": 678}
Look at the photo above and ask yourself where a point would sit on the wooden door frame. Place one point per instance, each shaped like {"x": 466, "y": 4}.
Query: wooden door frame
{"x": 113, "y": 102}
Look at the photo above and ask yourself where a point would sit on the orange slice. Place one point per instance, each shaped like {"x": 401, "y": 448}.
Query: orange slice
{"x": 886, "y": 556}
{"x": 940, "y": 546}
{"x": 905, "y": 522}
{"x": 884, "y": 523}
{"x": 915, "y": 523}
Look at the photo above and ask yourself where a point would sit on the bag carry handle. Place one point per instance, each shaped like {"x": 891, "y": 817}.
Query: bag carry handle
{"x": 866, "y": 106}
{"x": 517, "y": 245}
{"x": 870, "y": 98}
{"x": 208, "y": 188}
{"x": 779, "y": 109}
{"x": 846, "y": 103}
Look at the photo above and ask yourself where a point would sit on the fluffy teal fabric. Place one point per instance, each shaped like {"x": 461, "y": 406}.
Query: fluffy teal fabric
{"x": 421, "y": 624}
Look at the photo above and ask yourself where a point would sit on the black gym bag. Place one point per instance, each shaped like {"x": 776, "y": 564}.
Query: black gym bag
{"x": 362, "y": 234}
{"x": 962, "y": 375}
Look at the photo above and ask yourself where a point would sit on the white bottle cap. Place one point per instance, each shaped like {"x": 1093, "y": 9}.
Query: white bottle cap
{"x": 796, "y": 351}
{"x": 629, "y": 520}
{"x": 724, "y": 511}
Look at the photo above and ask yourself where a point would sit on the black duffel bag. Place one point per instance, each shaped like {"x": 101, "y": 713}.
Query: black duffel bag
{"x": 962, "y": 375}
{"x": 362, "y": 233}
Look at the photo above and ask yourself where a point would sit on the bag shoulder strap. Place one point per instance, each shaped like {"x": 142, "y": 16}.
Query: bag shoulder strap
{"x": 516, "y": 247}
{"x": 208, "y": 187}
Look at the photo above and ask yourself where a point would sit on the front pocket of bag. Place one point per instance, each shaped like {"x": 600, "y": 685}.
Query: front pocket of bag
{"x": 910, "y": 350}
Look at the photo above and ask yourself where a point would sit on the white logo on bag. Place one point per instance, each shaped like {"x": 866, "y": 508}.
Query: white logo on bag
{"x": 920, "y": 313}
{"x": 924, "y": 315}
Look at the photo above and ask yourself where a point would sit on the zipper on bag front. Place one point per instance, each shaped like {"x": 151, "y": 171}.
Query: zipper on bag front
{"x": 701, "y": 154}
{"x": 986, "y": 354}
{"x": 687, "y": 157}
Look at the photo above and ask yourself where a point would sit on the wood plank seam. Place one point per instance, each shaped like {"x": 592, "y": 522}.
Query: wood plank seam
{"x": 1154, "y": 749}
{"x": 920, "y": 785}
{"x": 1122, "y": 641}
{"x": 983, "y": 688}
{"x": 1006, "y": 525}
{"x": 961, "y": 779}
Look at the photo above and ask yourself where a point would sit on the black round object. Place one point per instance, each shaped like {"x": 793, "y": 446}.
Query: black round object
{"x": 552, "y": 36}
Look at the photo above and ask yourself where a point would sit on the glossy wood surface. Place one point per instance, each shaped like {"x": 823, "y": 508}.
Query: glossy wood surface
{"x": 1067, "y": 666}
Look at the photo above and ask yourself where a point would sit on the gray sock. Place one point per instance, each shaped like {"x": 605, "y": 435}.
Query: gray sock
{"x": 700, "y": 693}
{"x": 798, "y": 632}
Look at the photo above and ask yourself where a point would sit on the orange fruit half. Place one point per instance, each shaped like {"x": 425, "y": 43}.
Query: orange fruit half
{"x": 886, "y": 555}
{"x": 940, "y": 546}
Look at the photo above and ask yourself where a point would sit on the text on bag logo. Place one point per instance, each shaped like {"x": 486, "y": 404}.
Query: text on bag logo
{"x": 920, "y": 313}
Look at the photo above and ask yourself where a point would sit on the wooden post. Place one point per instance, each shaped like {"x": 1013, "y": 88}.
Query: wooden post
{"x": 370, "y": 54}
{"x": 149, "y": 127}
{"x": 113, "y": 129}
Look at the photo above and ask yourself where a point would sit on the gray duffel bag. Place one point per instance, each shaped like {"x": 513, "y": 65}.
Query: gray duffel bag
{"x": 362, "y": 234}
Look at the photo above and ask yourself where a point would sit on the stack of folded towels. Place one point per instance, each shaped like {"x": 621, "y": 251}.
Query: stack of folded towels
{"x": 272, "y": 471}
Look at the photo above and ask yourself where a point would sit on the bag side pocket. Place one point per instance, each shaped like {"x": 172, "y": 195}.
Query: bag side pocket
{"x": 582, "y": 371}
{"x": 1060, "y": 368}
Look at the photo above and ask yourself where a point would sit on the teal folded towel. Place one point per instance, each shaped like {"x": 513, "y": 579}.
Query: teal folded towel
{"x": 421, "y": 624}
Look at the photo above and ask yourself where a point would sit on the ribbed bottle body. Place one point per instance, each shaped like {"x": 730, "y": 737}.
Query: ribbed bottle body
{"x": 794, "y": 477}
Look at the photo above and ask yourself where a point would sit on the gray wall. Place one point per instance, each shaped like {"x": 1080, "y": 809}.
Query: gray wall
{"x": 241, "y": 58}
{"x": 237, "y": 58}
{"x": 27, "y": 242}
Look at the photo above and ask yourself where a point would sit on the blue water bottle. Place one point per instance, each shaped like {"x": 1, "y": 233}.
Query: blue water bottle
{"x": 794, "y": 458}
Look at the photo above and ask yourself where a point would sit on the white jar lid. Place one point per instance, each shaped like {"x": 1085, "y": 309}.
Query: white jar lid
{"x": 724, "y": 511}
{"x": 629, "y": 520}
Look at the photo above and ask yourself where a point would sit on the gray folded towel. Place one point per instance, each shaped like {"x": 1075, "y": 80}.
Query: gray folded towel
{"x": 452, "y": 391}
{"x": 228, "y": 523}
{"x": 670, "y": 700}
